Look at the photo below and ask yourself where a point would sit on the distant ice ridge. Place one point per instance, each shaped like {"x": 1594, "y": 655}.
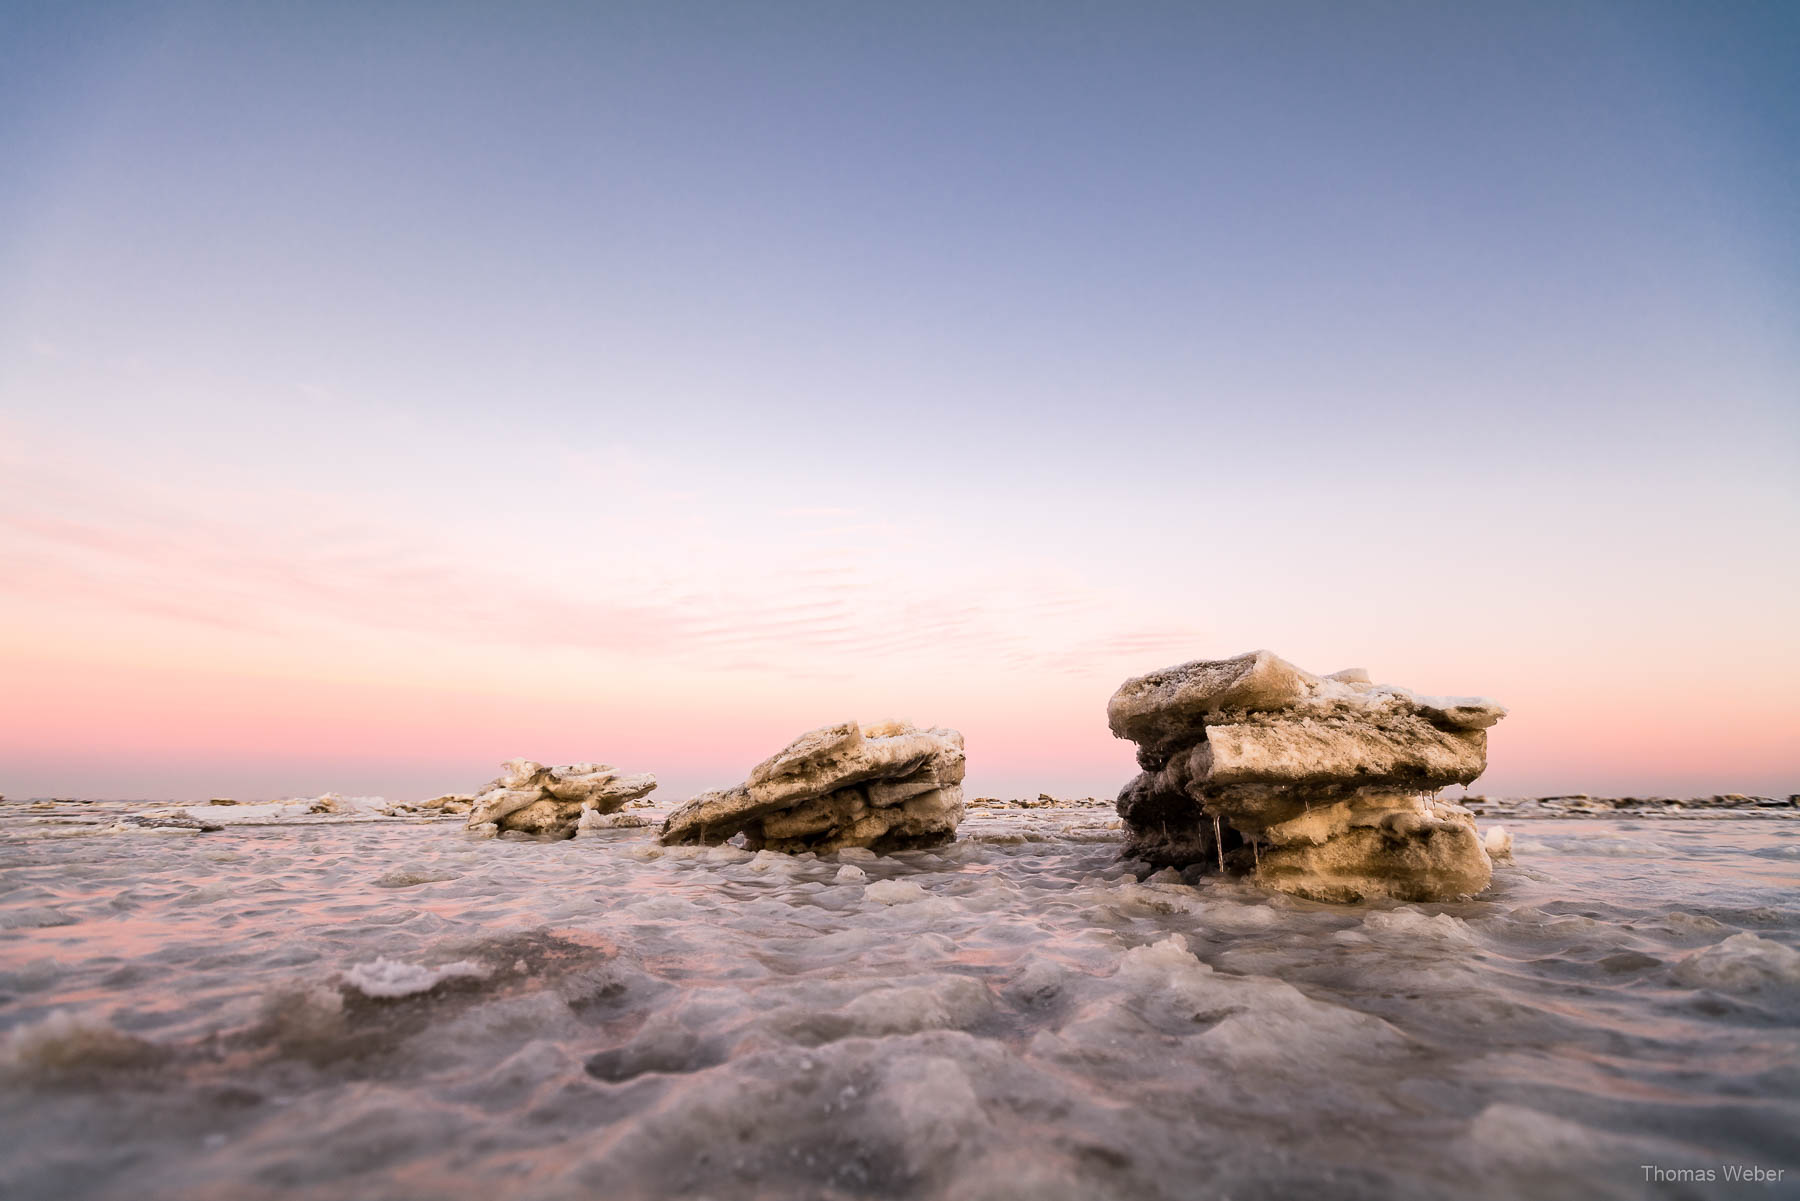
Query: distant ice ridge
{"x": 1320, "y": 786}
{"x": 1583, "y": 805}
{"x": 329, "y": 804}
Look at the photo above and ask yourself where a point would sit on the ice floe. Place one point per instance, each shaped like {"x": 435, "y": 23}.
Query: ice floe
{"x": 1320, "y": 786}
{"x": 891, "y": 787}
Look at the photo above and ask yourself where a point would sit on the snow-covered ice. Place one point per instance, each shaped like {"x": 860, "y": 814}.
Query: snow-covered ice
{"x": 392, "y": 978}
{"x": 352, "y": 1007}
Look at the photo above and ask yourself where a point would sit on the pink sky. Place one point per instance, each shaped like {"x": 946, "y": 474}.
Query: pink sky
{"x": 192, "y": 633}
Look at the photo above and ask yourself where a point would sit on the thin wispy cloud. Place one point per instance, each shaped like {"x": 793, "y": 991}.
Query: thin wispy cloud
{"x": 125, "y": 552}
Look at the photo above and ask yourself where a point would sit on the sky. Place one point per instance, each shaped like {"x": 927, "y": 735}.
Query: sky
{"x": 389, "y": 390}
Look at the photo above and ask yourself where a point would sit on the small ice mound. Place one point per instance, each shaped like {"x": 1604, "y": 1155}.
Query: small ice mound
{"x": 1133, "y": 899}
{"x": 32, "y": 975}
{"x": 850, "y": 874}
{"x": 726, "y": 853}
{"x": 205, "y": 895}
{"x": 1514, "y": 1132}
{"x": 64, "y": 1044}
{"x": 1247, "y": 1023}
{"x": 1158, "y": 958}
{"x": 1526, "y": 1140}
{"x": 928, "y": 1107}
{"x": 763, "y": 861}
{"x": 387, "y": 979}
{"x": 1619, "y": 848}
{"x": 947, "y": 1003}
{"x": 1271, "y": 1027}
{"x": 408, "y": 877}
{"x": 1680, "y": 921}
{"x": 664, "y": 1045}
{"x": 1411, "y": 925}
{"x": 34, "y": 917}
{"x": 1039, "y": 983}
{"x": 305, "y": 1022}
{"x": 911, "y": 1005}
{"x": 894, "y": 892}
{"x": 1742, "y": 963}
{"x": 1498, "y": 843}
{"x": 514, "y": 1080}
{"x": 509, "y": 1020}
{"x": 856, "y": 855}
{"x": 1231, "y": 917}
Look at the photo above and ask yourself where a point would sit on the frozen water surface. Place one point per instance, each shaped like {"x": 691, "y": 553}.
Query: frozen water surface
{"x": 396, "y": 1010}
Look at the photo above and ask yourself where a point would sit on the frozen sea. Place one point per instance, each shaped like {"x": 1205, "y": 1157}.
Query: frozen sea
{"x": 394, "y": 1009}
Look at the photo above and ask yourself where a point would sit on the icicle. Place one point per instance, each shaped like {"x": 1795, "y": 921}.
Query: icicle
{"x": 1256, "y": 853}
{"x": 1219, "y": 841}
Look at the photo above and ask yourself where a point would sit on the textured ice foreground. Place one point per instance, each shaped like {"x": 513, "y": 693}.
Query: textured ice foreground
{"x": 405, "y": 1011}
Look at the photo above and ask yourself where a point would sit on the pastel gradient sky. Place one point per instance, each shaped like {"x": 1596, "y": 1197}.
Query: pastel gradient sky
{"x": 387, "y": 390}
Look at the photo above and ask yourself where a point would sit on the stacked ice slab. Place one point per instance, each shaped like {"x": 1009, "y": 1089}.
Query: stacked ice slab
{"x": 1315, "y": 785}
{"x": 890, "y": 787}
{"x": 533, "y": 799}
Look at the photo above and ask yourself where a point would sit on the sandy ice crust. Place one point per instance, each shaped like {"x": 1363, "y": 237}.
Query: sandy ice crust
{"x": 401, "y": 1011}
